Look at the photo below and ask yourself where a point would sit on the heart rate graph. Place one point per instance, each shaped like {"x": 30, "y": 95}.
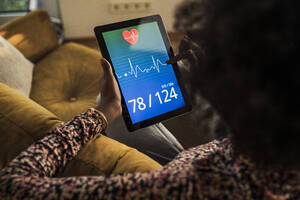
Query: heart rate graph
{"x": 142, "y": 68}
{"x": 135, "y": 70}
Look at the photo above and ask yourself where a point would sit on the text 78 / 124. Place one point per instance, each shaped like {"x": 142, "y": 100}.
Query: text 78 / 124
{"x": 163, "y": 96}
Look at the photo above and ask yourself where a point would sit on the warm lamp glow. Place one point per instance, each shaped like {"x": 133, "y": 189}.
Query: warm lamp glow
{"x": 16, "y": 39}
{"x": 2, "y": 33}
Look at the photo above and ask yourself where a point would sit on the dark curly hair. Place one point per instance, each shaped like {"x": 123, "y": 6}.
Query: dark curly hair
{"x": 250, "y": 72}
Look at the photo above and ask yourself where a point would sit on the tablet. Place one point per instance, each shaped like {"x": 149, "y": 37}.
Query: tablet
{"x": 151, "y": 90}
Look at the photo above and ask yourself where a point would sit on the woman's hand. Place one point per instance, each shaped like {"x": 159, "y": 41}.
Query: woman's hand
{"x": 188, "y": 50}
{"x": 110, "y": 104}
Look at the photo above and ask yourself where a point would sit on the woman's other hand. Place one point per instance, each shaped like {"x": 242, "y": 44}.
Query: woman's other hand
{"x": 110, "y": 104}
{"x": 188, "y": 50}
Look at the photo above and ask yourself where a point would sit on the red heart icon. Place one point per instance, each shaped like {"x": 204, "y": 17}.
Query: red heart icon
{"x": 131, "y": 36}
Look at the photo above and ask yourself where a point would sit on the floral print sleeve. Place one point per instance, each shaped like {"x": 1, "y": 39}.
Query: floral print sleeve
{"x": 198, "y": 173}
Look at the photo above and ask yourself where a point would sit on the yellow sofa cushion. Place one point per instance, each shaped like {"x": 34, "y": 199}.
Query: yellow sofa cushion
{"x": 32, "y": 34}
{"x": 22, "y": 122}
{"x": 105, "y": 156}
{"x": 67, "y": 81}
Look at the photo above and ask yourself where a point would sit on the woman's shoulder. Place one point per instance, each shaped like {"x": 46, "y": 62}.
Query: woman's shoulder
{"x": 222, "y": 173}
{"x": 215, "y": 163}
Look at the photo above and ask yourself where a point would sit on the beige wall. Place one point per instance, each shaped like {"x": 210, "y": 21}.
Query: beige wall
{"x": 52, "y": 7}
{"x": 81, "y": 16}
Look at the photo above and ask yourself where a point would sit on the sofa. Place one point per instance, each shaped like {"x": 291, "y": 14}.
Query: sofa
{"x": 65, "y": 82}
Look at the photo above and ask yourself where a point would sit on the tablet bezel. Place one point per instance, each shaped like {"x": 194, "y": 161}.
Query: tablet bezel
{"x": 103, "y": 48}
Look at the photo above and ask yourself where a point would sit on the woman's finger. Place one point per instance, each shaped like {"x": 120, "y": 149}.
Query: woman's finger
{"x": 179, "y": 57}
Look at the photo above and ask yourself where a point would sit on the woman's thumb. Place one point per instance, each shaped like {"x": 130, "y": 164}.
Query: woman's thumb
{"x": 106, "y": 65}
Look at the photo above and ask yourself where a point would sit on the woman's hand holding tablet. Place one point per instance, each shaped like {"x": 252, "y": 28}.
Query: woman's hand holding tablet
{"x": 150, "y": 88}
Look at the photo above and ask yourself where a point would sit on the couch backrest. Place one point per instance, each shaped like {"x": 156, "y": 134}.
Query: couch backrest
{"x": 32, "y": 34}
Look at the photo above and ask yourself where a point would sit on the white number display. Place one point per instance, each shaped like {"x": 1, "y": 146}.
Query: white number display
{"x": 173, "y": 93}
{"x": 157, "y": 95}
{"x": 134, "y": 103}
{"x": 139, "y": 102}
{"x": 167, "y": 94}
{"x": 150, "y": 100}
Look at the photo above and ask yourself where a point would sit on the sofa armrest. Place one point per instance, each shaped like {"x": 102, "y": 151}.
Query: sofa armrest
{"x": 32, "y": 34}
{"x": 22, "y": 122}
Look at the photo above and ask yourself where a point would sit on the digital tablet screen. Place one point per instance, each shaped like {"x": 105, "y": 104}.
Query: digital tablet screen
{"x": 148, "y": 85}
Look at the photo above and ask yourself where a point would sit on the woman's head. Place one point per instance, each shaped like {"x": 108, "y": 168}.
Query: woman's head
{"x": 250, "y": 71}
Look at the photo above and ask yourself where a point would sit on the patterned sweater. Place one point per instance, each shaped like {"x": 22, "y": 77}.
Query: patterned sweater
{"x": 205, "y": 172}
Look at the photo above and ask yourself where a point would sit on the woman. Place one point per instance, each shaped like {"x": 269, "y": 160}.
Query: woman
{"x": 247, "y": 68}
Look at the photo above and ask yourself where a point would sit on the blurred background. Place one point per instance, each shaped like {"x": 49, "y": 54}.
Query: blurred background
{"x": 74, "y": 21}
{"x": 80, "y": 16}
